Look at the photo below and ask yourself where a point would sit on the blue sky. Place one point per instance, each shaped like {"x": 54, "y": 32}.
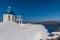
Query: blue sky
{"x": 33, "y": 10}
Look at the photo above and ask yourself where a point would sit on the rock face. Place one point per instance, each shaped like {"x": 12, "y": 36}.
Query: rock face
{"x": 13, "y": 31}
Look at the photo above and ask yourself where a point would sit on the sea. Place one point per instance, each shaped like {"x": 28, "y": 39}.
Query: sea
{"x": 52, "y": 28}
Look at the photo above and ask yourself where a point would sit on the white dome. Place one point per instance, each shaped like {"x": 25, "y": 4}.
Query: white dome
{"x": 13, "y": 31}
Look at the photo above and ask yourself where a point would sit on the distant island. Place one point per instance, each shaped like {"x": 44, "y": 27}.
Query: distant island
{"x": 49, "y": 23}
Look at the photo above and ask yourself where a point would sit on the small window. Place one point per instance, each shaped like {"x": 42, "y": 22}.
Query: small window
{"x": 9, "y": 17}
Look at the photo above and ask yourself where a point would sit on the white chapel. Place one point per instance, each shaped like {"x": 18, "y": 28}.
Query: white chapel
{"x": 10, "y": 30}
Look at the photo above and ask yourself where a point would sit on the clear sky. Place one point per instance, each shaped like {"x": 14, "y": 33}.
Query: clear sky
{"x": 33, "y": 10}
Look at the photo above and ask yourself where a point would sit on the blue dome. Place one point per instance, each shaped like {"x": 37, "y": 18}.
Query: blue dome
{"x": 9, "y": 11}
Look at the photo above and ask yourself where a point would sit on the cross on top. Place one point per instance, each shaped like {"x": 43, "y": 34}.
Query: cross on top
{"x": 9, "y": 7}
